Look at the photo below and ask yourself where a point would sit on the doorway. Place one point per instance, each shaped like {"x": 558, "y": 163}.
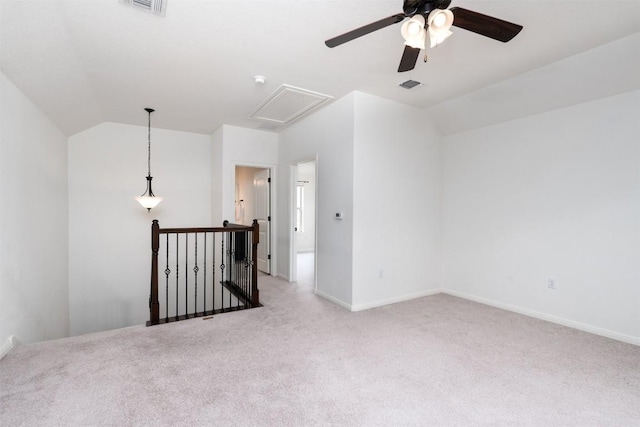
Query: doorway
{"x": 304, "y": 221}
{"x": 253, "y": 201}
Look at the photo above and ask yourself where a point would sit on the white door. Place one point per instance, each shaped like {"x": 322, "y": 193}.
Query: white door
{"x": 261, "y": 184}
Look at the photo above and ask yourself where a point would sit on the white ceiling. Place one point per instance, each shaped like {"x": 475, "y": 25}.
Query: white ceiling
{"x": 84, "y": 62}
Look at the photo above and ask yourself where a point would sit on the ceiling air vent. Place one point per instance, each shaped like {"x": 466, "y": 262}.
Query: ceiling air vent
{"x": 269, "y": 126}
{"x": 410, "y": 84}
{"x": 288, "y": 103}
{"x": 157, "y": 7}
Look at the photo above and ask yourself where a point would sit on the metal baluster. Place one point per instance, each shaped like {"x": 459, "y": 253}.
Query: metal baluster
{"x": 238, "y": 270}
{"x": 167, "y": 272}
{"x": 186, "y": 276}
{"x": 243, "y": 269}
{"x": 246, "y": 269}
{"x": 204, "y": 299}
{"x": 195, "y": 273}
{"x": 222, "y": 276}
{"x": 177, "y": 275}
{"x": 213, "y": 287}
{"x": 230, "y": 261}
{"x": 251, "y": 267}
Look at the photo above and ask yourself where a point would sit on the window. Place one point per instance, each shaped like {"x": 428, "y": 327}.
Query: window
{"x": 299, "y": 207}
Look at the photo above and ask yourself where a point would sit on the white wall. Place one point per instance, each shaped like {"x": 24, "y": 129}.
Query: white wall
{"x": 397, "y": 194}
{"x": 33, "y": 221}
{"x": 109, "y": 232}
{"x": 552, "y": 195}
{"x": 233, "y": 146}
{"x": 246, "y": 147}
{"x": 217, "y": 146}
{"x": 327, "y": 135}
{"x": 597, "y": 73}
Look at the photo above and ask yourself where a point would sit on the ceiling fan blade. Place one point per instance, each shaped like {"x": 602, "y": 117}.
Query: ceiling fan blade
{"x": 485, "y": 25}
{"x": 409, "y": 58}
{"x": 362, "y": 31}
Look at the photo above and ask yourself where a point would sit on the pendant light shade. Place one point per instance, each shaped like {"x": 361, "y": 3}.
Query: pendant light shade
{"x": 149, "y": 200}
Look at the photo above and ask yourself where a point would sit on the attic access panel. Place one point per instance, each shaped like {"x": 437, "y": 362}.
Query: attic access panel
{"x": 288, "y": 103}
{"x": 157, "y": 7}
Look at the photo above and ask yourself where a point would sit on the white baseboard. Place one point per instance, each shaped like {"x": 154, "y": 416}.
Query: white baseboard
{"x": 8, "y": 345}
{"x": 282, "y": 276}
{"x": 516, "y": 309}
{"x": 380, "y": 303}
{"x": 548, "y": 317}
{"x": 334, "y": 300}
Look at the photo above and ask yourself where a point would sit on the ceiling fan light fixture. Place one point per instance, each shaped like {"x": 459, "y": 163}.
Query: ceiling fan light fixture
{"x": 440, "y": 22}
{"x": 419, "y": 42}
{"x": 440, "y": 19}
{"x": 414, "y": 33}
{"x": 436, "y": 39}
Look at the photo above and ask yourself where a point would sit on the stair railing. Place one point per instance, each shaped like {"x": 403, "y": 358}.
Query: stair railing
{"x": 220, "y": 271}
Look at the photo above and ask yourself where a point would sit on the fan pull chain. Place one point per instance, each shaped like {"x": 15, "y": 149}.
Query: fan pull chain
{"x": 425, "y": 56}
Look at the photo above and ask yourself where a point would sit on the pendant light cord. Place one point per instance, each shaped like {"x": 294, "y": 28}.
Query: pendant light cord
{"x": 148, "y": 200}
{"x": 149, "y": 145}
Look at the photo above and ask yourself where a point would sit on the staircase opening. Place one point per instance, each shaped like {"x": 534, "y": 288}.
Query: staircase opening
{"x": 198, "y": 272}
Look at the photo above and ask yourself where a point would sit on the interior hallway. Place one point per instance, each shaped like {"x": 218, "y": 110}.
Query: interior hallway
{"x": 305, "y": 270}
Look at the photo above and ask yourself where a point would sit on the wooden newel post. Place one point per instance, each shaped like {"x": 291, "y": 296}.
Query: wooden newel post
{"x": 154, "y": 304}
{"x": 255, "y": 293}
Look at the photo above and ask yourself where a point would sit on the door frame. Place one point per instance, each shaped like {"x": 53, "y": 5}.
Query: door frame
{"x": 272, "y": 250}
{"x": 293, "y": 246}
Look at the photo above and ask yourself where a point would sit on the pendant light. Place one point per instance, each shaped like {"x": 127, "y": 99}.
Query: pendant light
{"x": 148, "y": 199}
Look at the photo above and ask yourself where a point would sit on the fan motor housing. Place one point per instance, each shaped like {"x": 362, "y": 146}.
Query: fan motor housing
{"x": 423, "y": 7}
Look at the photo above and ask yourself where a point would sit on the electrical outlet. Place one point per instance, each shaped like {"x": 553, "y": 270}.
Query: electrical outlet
{"x": 552, "y": 283}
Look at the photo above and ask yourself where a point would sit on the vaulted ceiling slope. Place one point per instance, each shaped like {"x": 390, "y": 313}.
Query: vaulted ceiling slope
{"x": 87, "y": 62}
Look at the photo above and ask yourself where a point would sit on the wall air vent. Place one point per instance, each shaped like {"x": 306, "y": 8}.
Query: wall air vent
{"x": 410, "y": 84}
{"x": 287, "y": 104}
{"x": 157, "y": 7}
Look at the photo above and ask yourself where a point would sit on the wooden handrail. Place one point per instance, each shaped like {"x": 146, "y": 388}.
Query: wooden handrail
{"x": 205, "y": 229}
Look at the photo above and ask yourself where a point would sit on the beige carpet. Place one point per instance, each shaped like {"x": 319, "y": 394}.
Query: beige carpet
{"x": 300, "y": 361}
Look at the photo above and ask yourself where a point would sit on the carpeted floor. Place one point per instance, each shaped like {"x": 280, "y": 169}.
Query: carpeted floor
{"x": 301, "y": 361}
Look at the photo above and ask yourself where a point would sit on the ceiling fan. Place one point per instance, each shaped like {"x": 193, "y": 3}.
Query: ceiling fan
{"x": 432, "y": 18}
